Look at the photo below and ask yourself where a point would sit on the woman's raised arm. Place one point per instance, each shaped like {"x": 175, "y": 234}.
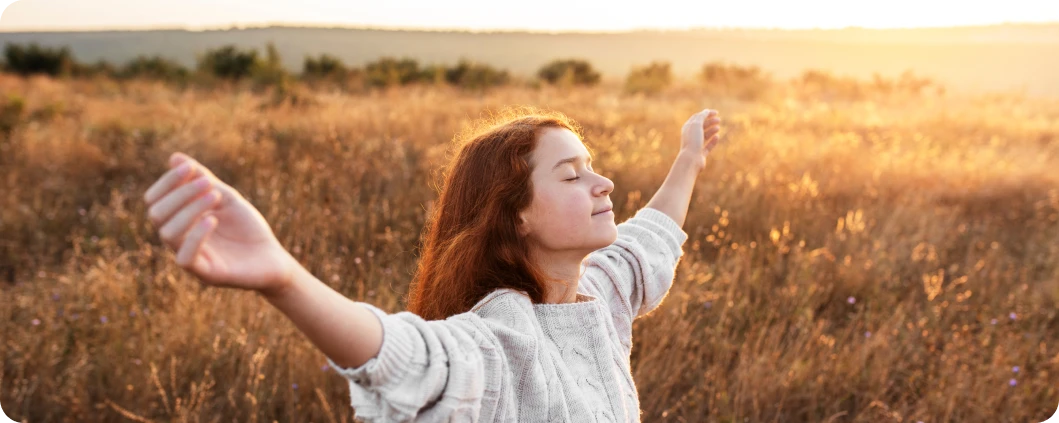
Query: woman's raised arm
{"x": 399, "y": 366}
{"x": 221, "y": 239}
{"x": 634, "y": 274}
{"x": 698, "y": 137}
{"x": 344, "y": 330}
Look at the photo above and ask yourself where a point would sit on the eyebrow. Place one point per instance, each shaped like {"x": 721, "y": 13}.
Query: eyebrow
{"x": 570, "y": 160}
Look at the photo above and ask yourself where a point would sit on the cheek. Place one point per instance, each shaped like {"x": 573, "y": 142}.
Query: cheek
{"x": 567, "y": 207}
{"x": 566, "y": 218}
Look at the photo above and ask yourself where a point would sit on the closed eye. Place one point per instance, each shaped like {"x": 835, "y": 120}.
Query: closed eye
{"x": 573, "y": 179}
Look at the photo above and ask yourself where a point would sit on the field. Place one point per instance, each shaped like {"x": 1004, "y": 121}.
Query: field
{"x": 874, "y": 258}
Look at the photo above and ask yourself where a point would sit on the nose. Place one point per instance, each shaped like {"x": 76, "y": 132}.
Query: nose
{"x": 605, "y": 186}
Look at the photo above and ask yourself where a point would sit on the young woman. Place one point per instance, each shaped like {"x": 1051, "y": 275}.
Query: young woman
{"x": 522, "y": 305}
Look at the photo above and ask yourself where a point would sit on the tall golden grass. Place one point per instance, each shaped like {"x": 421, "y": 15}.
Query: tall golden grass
{"x": 893, "y": 258}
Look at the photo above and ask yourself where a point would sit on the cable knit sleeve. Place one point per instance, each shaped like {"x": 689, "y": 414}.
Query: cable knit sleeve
{"x": 634, "y": 274}
{"x": 427, "y": 371}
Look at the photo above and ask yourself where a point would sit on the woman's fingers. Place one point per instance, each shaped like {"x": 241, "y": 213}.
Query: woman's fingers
{"x": 700, "y": 117}
{"x": 713, "y": 124}
{"x": 179, "y": 158}
{"x": 711, "y": 142}
{"x": 182, "y": 168}
{"x": 162, "y": 210}
{"x": 171, "y": 179}
{"x": 174, "y": 230}
{"x": 710, "y": 129}
{"x": 188, "y": 256}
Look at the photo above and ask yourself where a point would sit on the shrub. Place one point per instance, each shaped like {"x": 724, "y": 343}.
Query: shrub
{"x": 907, "y": 83}
{"x": 154, "y": 67}
{"x": 325, "y": 67}
{"x": 569, "y": 72}
{"x": 269, "y": 72}
{"x": 434, "y": 74}
{"x": 228, "y": 62}
{"x": 34, "y": 59}
{"x": 473, "y": 75}
{"x": 101, "y": 68}
{"x": 821, "y": 83}
{"x": 746, "y": 83}
{"x": 649, "y": 79}
{"x": 389, "y": 71}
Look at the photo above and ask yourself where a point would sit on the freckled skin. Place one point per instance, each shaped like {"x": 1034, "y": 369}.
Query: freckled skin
{"x": 559, "y": 219}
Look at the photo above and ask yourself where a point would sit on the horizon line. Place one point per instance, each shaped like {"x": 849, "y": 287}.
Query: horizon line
{"x": 307, "y": 25}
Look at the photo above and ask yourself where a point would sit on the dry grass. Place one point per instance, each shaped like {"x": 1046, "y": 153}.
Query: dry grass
{"x": 929, "y": 222}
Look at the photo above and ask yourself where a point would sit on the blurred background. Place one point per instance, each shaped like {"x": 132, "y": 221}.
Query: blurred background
{"x": 876, "y": 240}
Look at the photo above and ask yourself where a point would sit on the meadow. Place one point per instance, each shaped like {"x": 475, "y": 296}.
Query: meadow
{"x": 879, "y": 257}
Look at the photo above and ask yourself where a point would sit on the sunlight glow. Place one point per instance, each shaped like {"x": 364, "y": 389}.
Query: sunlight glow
{"x": 541, "y": 15}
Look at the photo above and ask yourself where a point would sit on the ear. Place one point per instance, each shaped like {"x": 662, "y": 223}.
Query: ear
{"x": 523, "y": 225}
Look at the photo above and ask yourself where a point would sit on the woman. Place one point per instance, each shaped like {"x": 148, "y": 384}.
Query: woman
{"x": 522, "y": 305}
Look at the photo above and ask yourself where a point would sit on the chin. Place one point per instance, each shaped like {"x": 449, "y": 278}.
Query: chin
{"x": 610, "y": 237}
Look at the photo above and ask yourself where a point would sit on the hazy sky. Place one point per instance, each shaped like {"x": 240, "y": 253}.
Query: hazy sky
{"x": 536, "y": 15}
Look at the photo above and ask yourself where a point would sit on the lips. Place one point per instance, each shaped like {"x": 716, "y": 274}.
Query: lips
{"x": 602, "y": 211}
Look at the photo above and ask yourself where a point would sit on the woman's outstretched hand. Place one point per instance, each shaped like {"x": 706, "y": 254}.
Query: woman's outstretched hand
{"x": 700, "y": 134}
{"x": 217, "y": 234}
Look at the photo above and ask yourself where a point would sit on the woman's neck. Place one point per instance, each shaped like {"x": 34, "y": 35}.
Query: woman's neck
{"x": 564, "y": 270}
{"x": 560, "y": 294}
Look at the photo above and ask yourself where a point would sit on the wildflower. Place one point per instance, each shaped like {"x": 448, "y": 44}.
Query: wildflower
{"x": 103, "y": 319}
{"x": 295, "y": 386}
{"x": 1015, "y": 369}
{"x": 1012, "y": 315}
{"x": 36, "y": 322}
{"x": 867, "y": 334}
{"x": 325, "y": 368}
{"x": 81, "y": 212}
{"x": 95, "y": 239}
{"x": 40, "y": 274}
{"x": 75, "y": 316}
{"x": 1013, "y": 382}
{"x": 55, "y": 297}
{"x": 356, "y": 260}
{"x": 992, "y": 322}
{"x": 137, "y": 361}
{"x": 708, "y": 304}
{"x": 132, "y": 313}
{"x": 851, "y": 300}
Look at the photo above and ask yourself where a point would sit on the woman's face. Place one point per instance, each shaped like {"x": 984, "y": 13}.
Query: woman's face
{"x": 567, "y": 196}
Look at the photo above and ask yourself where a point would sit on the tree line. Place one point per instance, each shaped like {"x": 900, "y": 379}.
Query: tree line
{"x": 232, "y": 63}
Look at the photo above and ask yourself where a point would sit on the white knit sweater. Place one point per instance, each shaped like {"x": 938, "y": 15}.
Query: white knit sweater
{"x": 509, "y": 360}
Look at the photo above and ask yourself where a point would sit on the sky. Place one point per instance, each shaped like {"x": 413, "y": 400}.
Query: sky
{"x": 536, "y": 15}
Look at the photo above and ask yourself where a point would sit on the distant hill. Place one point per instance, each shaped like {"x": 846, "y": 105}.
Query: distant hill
{"x": 1002, "y": 57}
